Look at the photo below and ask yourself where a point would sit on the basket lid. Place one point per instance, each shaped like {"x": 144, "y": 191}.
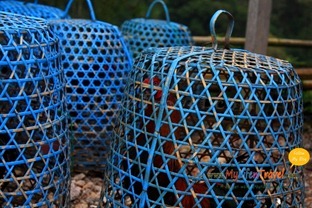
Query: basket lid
{"x": 10, "y": 22}
{"x": 149, "y": 22}
{"x": 83, "y": 24}
{"x": 143, "y": 33}
{"x": 31, "y": 9}
{"x": 215, "y": 57}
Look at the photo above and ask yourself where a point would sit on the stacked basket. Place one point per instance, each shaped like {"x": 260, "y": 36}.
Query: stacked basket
{"x": 96, "y": 63}
{"x": 143, "y": 33}
{"x": 34, "y": 148}
{"x": 207, "y": 127}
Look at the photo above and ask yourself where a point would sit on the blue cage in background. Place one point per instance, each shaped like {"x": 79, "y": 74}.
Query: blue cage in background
{"x": 142, "y": 33}
{"x": 96, "y": 63}
{"x": 207, "y": 127}
{"x": 34, "y": 144}
{"x": 31, "y": 9}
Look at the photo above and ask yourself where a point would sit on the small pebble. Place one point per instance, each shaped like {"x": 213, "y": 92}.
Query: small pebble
{"x": 80, "y": 183}
{"x": 78, "y": 177}
{"x": 85, "y": 191}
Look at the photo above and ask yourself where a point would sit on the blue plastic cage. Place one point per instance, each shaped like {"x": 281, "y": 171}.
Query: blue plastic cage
{"x": 207, "y": 127}
{"x": 96, "y": 63}
{"x": 142, "y": 33}
{"x": 34, "y": 144}
{"x": 33, "y": 9}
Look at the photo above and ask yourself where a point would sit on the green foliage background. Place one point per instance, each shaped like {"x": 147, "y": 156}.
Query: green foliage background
{"x": 289, "y": 19}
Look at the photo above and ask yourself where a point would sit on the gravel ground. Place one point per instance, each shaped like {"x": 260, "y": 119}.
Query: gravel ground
{"x": 85, "y": 189}
{"x": 86, "y": 186}
{"x": 307, "y": 144}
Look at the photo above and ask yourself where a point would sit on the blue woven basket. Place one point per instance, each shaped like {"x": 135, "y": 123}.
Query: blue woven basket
{"x": 207, "y": 127}
{"x": 34, "y": 145}
{"x": 96, "y": 63}
{"x": 142, "y": 33}
{"x": 31, "y": 9}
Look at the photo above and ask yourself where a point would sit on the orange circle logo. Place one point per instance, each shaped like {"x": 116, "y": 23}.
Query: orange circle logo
{"x": 299, "y": 156}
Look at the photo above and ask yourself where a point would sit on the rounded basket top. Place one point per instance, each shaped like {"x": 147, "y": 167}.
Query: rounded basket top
{"x": 31, "y": 9}
{"x": 208, "y": 57}
{"x": 213, "y": 57}
{"x": 156, "y": 22}
{"x": 149, "y": 22}
{"x": 16, "y": 22}
{"x": 82, "y": 23}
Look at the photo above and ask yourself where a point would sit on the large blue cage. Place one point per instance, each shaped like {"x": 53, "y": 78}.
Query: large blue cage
{"x": 207, "y": 127}
{"x": 142, "y": 33}
{"x": 34, "y": 145}
{"x": 31, "y": 9}
{"x": 96, "y": 63}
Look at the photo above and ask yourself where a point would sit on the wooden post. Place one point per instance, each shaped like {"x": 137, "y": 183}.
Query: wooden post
{"x": 258, "y": 26}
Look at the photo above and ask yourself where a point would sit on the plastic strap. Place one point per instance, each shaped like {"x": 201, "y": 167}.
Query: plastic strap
{"x": 70, "y": 2}
{"x": 229, "y": 29}
{"x": 164, "y": 6}
{"x": 158, "y": 122}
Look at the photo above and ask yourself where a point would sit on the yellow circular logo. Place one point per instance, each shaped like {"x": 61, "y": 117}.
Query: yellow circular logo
{"x": 299, "y": 156}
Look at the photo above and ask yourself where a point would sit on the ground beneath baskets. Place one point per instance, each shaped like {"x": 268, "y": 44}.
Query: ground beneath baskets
{"x": 86, "y": 186}
{"x": 85, "y": 189}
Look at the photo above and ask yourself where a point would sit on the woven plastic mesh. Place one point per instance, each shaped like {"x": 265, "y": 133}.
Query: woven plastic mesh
{"x": 96, "y": 63}
{"x": 31, "y": 9}
{"x": 207, "y": 128}
{"x": 34, "y": 148}
{"x": 142, "y": 33}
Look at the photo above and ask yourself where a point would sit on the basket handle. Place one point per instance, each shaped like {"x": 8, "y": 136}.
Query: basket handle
{"x": 70, "y": 2}
{"x": 229, "y": 29}
{"x": 153, "y": 4}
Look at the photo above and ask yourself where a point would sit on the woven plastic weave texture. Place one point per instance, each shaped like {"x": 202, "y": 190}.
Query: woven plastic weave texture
{"x": 31, "y": 9}
{"x": 142, "y": 33}
{"x": 34, "y": 145}
{"x": 207, "y": 127}
{"x": 96, "y": 63}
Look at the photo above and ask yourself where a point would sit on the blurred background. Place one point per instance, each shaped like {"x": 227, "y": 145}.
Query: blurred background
{"x": 289, "y": 19}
